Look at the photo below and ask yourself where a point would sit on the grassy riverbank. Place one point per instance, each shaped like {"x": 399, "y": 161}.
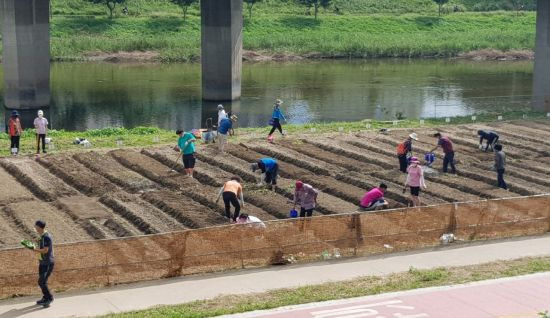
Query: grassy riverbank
{"x": 63, "y": 141}
{"x": 373, "y": 285}
{"x": 331, "y": 36}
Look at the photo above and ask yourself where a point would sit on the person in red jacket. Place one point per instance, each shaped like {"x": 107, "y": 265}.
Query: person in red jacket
{"x": 15, "y": 130}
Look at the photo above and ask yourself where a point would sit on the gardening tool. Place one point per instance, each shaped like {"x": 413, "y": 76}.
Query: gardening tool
{"x": 173, "y": 168}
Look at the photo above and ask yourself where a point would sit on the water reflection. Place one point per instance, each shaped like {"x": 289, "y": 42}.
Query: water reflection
{"x": 96, "y": 95}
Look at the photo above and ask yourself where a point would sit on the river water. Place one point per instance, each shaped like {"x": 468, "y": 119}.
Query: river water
{"x": 98, "y": 95}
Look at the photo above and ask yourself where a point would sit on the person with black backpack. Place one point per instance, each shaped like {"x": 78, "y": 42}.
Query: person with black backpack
{"x": 404, "y": 150}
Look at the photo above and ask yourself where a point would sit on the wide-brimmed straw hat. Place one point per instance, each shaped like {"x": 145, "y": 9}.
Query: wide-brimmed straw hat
{"x": 414, "y": 136}
{"x": 278, "y": 102}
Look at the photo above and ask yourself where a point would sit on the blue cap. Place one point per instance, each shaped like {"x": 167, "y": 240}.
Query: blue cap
{"x": 14, "y": 113}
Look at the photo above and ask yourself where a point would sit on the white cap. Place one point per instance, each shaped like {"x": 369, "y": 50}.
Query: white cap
{"x": 220, "y": 107}
{"x": 40, "y": 113}
{"x": 414, "y": 136}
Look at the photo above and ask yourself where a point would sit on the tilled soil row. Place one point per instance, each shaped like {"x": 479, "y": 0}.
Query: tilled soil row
{"x": 112, "y": 170}
{"x": 11, "y": 234}
{"x": 189, "y": 187}
{"x": 211, "y": 185}
{"x": 539, "y": 125}
{"x": 129, "y": 215}
{"x": 11, "y": 191}
{"x": 186, "y": 211}
{"x": 37, "y": 179}
{"x": 26, "y": 213}
{"x": 77, "y": 175}
{"x": 539, "y": 165}
{"x": 289, "y": 155}
{"x": 355, "y": 154}
{"x": 529, "y": 129}
{"x": 287, "y": 169}
{"x": 313, "y": 151}
{"x": 517, "y": 172}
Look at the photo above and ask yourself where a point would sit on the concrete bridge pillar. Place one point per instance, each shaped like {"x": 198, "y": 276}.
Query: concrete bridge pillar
{"x": 222, "y": 48}
{"x": 541, "y": 78}
{"x": 26, "y": 53}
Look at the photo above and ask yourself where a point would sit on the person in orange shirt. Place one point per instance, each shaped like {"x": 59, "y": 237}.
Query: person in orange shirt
{"x": 15, "y": 130}
{"x": 230, "y": 191}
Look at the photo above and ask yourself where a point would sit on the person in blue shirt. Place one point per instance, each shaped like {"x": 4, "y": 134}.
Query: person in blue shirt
{"x": 269, "y": 169}
{"x": 226, "y": 124}
{"x": 276, "y": 119}
{"x": 186, "y": 144}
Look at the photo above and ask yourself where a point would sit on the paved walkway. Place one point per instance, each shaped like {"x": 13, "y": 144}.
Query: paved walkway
{"x": 186, "y": 289}
{"x": 516, "y": 297}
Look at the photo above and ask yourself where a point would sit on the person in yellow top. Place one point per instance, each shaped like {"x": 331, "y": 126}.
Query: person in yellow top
{"x": 230, "y": 191}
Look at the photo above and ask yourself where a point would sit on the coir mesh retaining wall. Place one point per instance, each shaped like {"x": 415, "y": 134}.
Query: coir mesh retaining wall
{"x": 108, "y": 262}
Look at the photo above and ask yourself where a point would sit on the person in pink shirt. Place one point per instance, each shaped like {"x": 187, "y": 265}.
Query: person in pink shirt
{"x": 374, "y": 199}
{"x": 41, "y": 125}
{"x": 415, "y": 180}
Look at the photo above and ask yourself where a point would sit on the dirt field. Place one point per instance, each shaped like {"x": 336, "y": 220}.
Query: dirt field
{"x": 126, "y": 192}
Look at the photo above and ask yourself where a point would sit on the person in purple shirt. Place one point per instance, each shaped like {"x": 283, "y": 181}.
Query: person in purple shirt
{"x": 374, "y": 199}
{"x": 446, "y": 144}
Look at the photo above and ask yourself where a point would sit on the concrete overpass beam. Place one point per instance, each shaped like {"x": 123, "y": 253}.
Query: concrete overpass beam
{"x": 222, "y": 48}
{"x": 26, "y": 53}
{"x": 541, "y": 79}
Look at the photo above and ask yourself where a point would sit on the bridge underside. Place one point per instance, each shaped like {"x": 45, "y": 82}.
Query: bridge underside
{"x": 541, "y": 73}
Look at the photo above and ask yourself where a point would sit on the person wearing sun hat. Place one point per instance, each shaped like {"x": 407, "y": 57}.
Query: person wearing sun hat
{"x": 305, "y": 196}
{"x": 404, "y": 150}
{"x": 276, "y": 117}
{"x": 221, "y": 114}
{"x": 15, "y": 130}
{"x": 415, "y": 180}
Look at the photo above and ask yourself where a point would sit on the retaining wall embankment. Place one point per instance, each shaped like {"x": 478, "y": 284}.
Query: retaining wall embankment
{"x": 109, "y": 262}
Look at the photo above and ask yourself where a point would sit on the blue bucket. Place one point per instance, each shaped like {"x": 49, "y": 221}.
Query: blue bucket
{"x": 429, "y": 158}
{"x": 293, "y": 213}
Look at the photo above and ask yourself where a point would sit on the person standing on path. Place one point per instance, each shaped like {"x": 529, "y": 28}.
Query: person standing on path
{"x": 221, "y": 114}
{"x": 15, "y": 131}
{"x": 447, "y": 146}
{"x": 276, "y": 117}
{"x": 404, "y": 150}
{"x": 230, "y": 191}
{"x": 500, "y": 165}
{"x": 269, "y": 169}
{"x": 415, "y": 181}
{"x": 491, "y": 137}
{"x": 44, "y": 249}
{"x": 305, "y": 196}
{"x": 186, "y": 144}
{"x": 374, "y": 199}
{"x": 41, "y": 126}
{"x": 224, "y": 128}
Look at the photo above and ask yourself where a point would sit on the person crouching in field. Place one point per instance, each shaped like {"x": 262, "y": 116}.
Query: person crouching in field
{"x": 252, "y": 220}
{"x": 269, "y": 169}
{"x": 374, "y": 199}
{"x": 230, "y": 191}
{"x": 415, "y": 181}
{"x": 305, "y": 196}
{"x": 490, "y": 136}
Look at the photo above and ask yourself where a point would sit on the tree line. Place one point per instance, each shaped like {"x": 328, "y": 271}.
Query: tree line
{"x": 314, "y": 5}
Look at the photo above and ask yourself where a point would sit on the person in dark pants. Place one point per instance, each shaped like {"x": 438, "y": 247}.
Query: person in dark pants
{"x": 269, "y": 169}
{"x": 46, "y": 262}
{"x": 15, "y": 130}
{"x": 500, "y": 165}
{"x": 41, "y": 126}
{"x": 230, "y": 191}
{"x": 276, "y": 119}
{"x": 186, "y": 144}
{"x": 446, "y": 144}
{"x": 306, "y": 196}
{"x": 404, "y": 150}
{"x": 490, "y": 136}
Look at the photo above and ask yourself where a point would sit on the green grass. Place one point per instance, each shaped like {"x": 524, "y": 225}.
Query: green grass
{"x": 355, "y": 36}
{"x": 364, "y": 286}
{"x": 107, "y": 138}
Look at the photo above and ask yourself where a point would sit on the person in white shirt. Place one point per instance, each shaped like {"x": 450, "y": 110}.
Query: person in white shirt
{"x": 252, "y": 220}
{"x": 221, "y": 114}
{"x": 41, "y": 126}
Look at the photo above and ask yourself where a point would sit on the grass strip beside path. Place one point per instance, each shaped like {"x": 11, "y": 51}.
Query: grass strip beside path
{"x": 109, "y": 138}
{"x": 364, "y": 286}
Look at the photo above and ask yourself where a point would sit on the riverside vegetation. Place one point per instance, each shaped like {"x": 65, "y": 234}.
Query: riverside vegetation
{"x": 350, "y": 29}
